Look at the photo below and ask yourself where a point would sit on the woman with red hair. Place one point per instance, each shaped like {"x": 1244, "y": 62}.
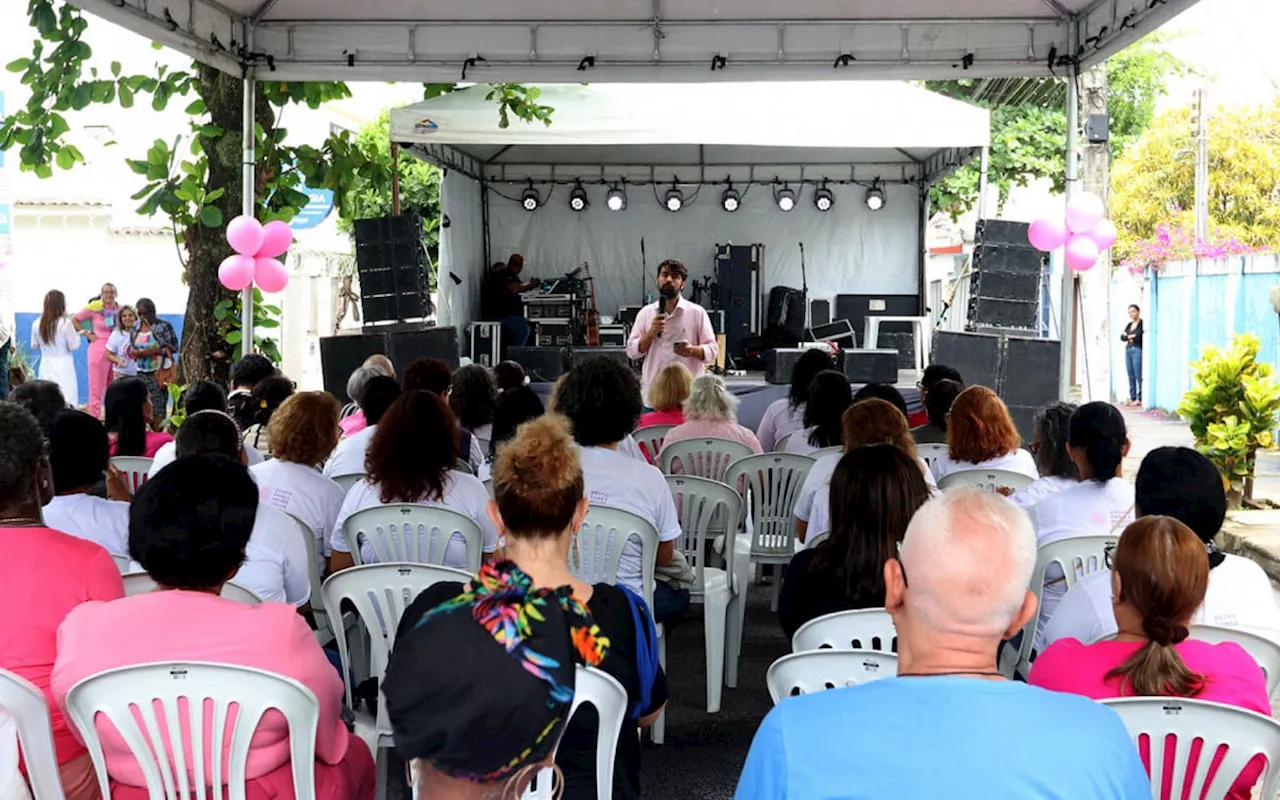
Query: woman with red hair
{"x": 981, "y": 435}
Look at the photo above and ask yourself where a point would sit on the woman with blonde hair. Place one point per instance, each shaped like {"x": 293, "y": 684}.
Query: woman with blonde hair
{"x": 981, "y": 435}
{"x": 667, "y": 395}
{"x": 712, "y": 411}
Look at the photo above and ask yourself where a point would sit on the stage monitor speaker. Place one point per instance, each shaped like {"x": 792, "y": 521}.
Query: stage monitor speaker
{"x": 581, "y": 355}
{"x": 976, "y": 356}
{"x": 1023, "y": 371}
{"x": 391, "y": 264}
{"x": 871, "y": 366}
{"x": 779, "y": 364}
{"x": 342, "y": 355}
{"x": 541, "y": 364}
{"x": 1030, "y": 371}
{"x": 738, "y": 292}
{"x": 407, "y": 347}
{"x": 819, "y": 312}
{"x": 786, "y": 311}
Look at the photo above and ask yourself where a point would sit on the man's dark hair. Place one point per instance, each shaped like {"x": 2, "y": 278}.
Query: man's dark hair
{"x": 44, "y": 399}
{"x": 190, "y": 524}
{"x": 78, "y": 450}
{"x": 1184, "y": 484}
{"x": 21, "y": 450}
{"x": 807, "y": 367}
{"x": 509, "y": 375}
{"x": 208, "y": 432}
{"x": 380, "y": 392}
{"x": 204, "y": 396}
{"x": 246, "y": 372}
{"x": 676, "y": 267}
{"x": 601, "y": 399}
{"x": 428, "y": 375}
{"x": 473, "y": 397}
{"x": 883, "y": 391}
{"x": 514, "y": 408}
{"x": 938, "y": 400}
{"x": 939, "y": 372}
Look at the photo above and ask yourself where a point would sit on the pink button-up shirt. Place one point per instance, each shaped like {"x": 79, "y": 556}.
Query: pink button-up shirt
{"x": 688, "y": 323}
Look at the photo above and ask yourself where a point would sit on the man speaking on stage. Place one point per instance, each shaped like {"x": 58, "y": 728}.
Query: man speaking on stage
{"x": 672, "y": 329}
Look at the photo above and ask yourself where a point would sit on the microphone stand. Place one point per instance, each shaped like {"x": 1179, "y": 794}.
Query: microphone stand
{"x": 804, "y": 289}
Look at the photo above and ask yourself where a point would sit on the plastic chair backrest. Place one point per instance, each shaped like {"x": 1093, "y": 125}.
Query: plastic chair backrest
{"x": 135, "y": 469}
{"x": 313, "y": 559}
{"x": 780, "y": 444}
{"x": 650, "y": 438}
{"x": 141, "y": 583}
{"x": 143, "y": 700}
{"x": 859, "y": 629}
{"x": 826, "y": 451}
{"x": 462, "y": 465}
{"x": 122, "y": 563}
{"x": 25, "y": 704}
{"x": 816, "y": 539}
{"x": 1263, "y": 650}
{"x": 1173, "y": 724}
{"x": 412, "y": 533}
{"x": 488, "y": 485}
{"x": 596, "y": 688}
{"x": 348, "y": 480}
{"x": 698, "y": 502}
{"x": 819, "y": 670}
{"x": 598, "y": 546}
{"x": 772, "y": 484}
{"x": 348, "y": 410}
{"x": 989, "y": 479}
{"x": 1076, "y": 556}
{"x": 702, "y": 458}
{"x": 931, "y": 451}
{"x": 380, "y": 593}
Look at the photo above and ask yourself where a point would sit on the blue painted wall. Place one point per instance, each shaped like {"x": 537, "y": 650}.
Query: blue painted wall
{"x": 24, "y": 321}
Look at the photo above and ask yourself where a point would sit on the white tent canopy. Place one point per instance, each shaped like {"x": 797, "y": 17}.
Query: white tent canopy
{"x": 559, "y": 41}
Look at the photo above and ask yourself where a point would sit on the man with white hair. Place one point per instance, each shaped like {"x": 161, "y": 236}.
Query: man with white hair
{"x": 949, "y": 725}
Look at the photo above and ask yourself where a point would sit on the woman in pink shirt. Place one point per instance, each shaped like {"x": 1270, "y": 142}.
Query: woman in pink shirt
{"x": 99, "y": 318}
{"x": 189, "y": 529}
{"x": 43, "y": 576}
{"x": 1159, "y": 575}
{"x": 128, "y": 407}
{"x": 711, "y": 411}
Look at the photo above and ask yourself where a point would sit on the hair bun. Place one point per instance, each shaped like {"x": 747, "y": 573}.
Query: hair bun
{"x": 1163, "y": 632}
{"x": 541, "y": 457}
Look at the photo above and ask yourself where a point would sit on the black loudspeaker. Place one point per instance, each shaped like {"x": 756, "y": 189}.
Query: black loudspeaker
{"x": 541, "y": 364}
{"x": 1023, "y": 371}
{"x": 819, "y": 312}
{"x": 391, "y": 265}
{"x": 1004, "y": 292}
{"x": 407, "y": 347}
{"x": 871, "y": 366}
{"x": 1030, "y": 371}
{"x": 779, "y": 363}
{"x": 738, "y": 294}
{"x": 786, "y": 311}
{"x": 581, "y": 355}
{"x": 342, "y": 355}
{"x": 857, "y": 307}
{"x": 975, "y": 355}
{"x": 1002, "y": 232}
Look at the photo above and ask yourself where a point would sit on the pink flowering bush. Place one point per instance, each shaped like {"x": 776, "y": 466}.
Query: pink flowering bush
{"x": 1177, "y": 242}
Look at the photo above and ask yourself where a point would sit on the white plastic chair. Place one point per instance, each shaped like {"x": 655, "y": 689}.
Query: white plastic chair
{"x": 819, "y": 670}
{"x": 826, "y": 451}
{"x": 989, "y": 479}
{"x": 780, "y": 444}
{"x": 858, "y": 629}
{"x": 698, "y": 501}
{"x": 771, "y": 485}
{"x": 348, "y": 480}
{"x": 931, "y": 451}
{"x": 650, "y": 437}
{"x": 413, "y": 533}
{"x": 128, "y": 694}
{"x": 380, "y": 593}
{"x": 1076, "y": 556}
{"x": 462, "y": 465}
{"x": 135, "y": 469}
{"x": 123, "y": 563}
{"x": 488, "y": 485}
{"x": 1175, "y": 723}
{"x": 1263, "y": 650}
{"x": 703, "y": 458}
{"x": 323, "y": 629}
{"x": 596, "y": 688}
{"x": 25, "y": 704}
{"x": 141, "y": 583}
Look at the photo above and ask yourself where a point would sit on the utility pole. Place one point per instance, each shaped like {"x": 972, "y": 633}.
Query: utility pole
{"x": 1093, "y": 357}
{"x": 1200, "y": 129}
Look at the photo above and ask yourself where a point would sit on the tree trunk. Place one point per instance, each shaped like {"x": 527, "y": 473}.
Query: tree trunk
{"x": 205, "y": 352}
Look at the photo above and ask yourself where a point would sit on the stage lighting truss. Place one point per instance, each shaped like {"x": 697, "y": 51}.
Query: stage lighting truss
{"x": 578, "y": 197}
{"x": 875, "y": 196}
{"x": 674, "y": 200}
{"x": 530, "y": 198}
{"x": 731, "y": 200}
{"x": 823, "y": 199}
{"x": 616, "y": 200}
{"x": 785, "y": 198}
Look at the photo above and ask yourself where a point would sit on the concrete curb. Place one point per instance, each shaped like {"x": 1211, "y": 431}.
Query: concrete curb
{"x": 1254, "y": 535}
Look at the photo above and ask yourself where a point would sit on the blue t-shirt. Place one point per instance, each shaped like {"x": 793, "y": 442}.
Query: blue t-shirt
{"x": 951, "y": 737}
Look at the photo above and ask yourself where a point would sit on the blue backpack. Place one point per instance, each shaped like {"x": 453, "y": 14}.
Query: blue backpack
{"x": 646, "y": 649}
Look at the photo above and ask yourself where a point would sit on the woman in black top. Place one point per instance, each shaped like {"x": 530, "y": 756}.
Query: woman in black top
{"x": 538, "y": 489}
{"x": 1132, "y": 338}
{"x": 874, "y": 492}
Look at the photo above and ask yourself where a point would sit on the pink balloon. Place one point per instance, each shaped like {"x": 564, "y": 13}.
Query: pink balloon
{"x": 1084, "y": 211}
{"x": 270, "y": 274}
{"x": 1048, "y": 234}
{"x": 236, "y": 272}
{"x": 1104, "y": 234}
{"x": 276, "y": 239}
{"x": 1082, "y": 252}
{"x": 244, "y": 234}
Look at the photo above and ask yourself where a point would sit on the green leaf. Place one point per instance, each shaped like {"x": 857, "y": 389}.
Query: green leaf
{"x": 233, "y": 337}
{"x": 196, "y": 108}
{"x": 126, "y": 96}
{"x": 65, "y": 159}
{"x": 18, "y": 65}
{"x": 115, "y": 68}
{"x": 211, "y": 216}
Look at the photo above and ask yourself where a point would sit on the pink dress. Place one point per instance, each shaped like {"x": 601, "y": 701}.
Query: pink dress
{"x": 103, "y": 322}
{"x": 154, "y": 442}
{"x": 196, "y": 626}
{"x": 1234, "y": 679}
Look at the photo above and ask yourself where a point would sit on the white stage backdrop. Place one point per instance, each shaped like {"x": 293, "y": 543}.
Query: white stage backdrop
{"x": 461, "y": 251}
{"x": 848, "y": 249}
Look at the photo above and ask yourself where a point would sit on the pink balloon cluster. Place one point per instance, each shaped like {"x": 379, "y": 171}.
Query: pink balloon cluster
{"x": 256, "y": 260}
{"x": 1085, "y": 232}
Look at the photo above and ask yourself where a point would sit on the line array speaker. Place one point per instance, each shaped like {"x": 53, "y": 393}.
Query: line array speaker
{"x": 1004, "y": 291}
{"x": 391, "y": 265}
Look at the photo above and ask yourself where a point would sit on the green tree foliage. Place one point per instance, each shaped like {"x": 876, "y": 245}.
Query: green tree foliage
{"x": 1029, "y": 122}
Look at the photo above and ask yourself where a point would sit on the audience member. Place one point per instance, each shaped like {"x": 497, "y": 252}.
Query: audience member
{"x": 472, "y": 401}
{"x": 873, "y": 493}
{"x": 1159, "y": 576}
{"x": 275, "y": 564}
{"x": 937, "y": 404}
{"x": 509, "y": 375}
{"x": 267, "y": 396}
{"x": 434, "y": 375}
{"x": 1181, "y": 483}
{"x": 191, "y": 528}
{"x": 514, "y": 408}
{"x": 981, "y": 435}
{"x": 245, "y": 374}
{"x": 381, "y": 362}
{"x": 786, "y": 415}
{"x": 356, "y": 422}
{"x": 349, "y": 456}
{"x": 128, "y": 419}
{"x": 44, "y": 399}
{"x": 199, "y": 396}
{"x": 829, "y": 397}
{"x": 44, "y": 575}
{"x": 538, "y": 491}
{"x": 1101, "y": 503}
{"x": 474, "y": 739}
{"x": 667, "y": 394}
{"x": 601, "y": 399}
{"x": 411, "y": 460}
{"x": 712, "y": 412}
{"x": 1053, "y": 462}
{"x": 948, "y": 723}
{"x": 932, "y": 375}
{"x": 78, "y": 450}
{"x": 304, "y": 431}
{"x": 883, "y": 391}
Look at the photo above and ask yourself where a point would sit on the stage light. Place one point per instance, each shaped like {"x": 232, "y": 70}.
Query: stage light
{"x": 875, "y": 196}
{"x": 675, "y": 199}
{"x": 823, "y": 199}
{"x": 530, "y": 199}
{"x": 785, "y": 198}
{"x": 616, "y": 200}
{"x": 731, "y": 199}
{"x": 578, "y": 197}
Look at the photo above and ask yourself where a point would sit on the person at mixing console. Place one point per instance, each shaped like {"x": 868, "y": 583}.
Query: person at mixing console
{"x": 500, "y": 299}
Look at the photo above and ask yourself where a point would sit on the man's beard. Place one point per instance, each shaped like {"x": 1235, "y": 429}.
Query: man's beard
{"x": 668, "y": 292}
